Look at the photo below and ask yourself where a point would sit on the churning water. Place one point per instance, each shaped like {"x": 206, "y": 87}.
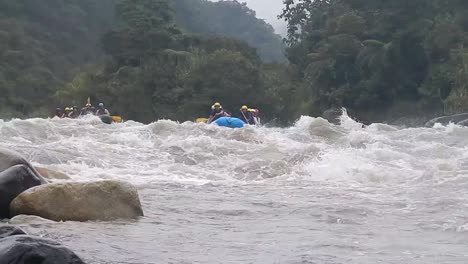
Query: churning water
{"x": 310, "y": 193}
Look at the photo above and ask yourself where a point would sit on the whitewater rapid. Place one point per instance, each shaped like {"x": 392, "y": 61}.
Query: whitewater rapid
{"x": 310, "y": 193}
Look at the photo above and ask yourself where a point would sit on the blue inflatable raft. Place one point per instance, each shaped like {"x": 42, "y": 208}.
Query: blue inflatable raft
{"x": 230, "y": 122}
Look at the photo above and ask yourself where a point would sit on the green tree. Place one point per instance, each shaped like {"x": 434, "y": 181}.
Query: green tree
{"x": 367, "y": 55}
{"x": 230, "y": 18}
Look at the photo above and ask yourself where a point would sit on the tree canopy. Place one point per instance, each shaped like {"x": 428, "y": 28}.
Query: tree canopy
{"x": 143, "y": 58}
{"x": 368, "y": 55}
{"x": 152, "y": 59}
{"x": 157, "y": 70}
{"x": 42, "y": 44}
{"x": 232, "y": 19}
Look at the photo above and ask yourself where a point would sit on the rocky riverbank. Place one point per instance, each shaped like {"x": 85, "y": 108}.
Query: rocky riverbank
{"x": 25, "y": 193}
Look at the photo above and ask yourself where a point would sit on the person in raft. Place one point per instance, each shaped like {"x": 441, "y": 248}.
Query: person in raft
{"x": 217, "y": 111}
{"x": 102, "y": 111}
{"x": 88, "y": 110}
{"x": 250, "y": 116}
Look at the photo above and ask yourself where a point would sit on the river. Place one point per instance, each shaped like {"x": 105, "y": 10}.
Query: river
{"x": 310, "y": 193}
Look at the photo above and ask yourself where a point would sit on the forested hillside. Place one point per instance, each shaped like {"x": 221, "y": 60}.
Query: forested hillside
{"x": 151, "y": 59}
{"x": 369, "y": 55}
{"x": 232, "y": 19}
{"x": 61, "y": 52}
{"x": 158, "y": 71}
{"x": 41, "y": 45}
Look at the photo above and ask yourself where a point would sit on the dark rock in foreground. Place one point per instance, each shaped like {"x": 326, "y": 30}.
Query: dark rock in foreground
{"x": 13, "y": 181}
{"x": 10, "y": 158}
{"x": 24, "y": 249}
{"x": 16, "y": 176}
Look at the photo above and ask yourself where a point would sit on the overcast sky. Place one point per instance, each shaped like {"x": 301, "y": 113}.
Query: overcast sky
{"x": 268, "y": 10}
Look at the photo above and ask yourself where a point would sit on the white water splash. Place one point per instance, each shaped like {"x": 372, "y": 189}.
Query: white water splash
{"x": 353, "y": 193}
{"x": 168, "y": 151}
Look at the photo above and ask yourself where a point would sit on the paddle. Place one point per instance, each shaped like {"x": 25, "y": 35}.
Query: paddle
{"x": 245, "y": 118}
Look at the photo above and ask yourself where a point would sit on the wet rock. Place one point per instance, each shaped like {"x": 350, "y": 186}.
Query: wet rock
{"x": 24, "y": 249}
{"x": 9, "y": 158}
{"x": 29, "y": 219}
{"x": 333, "y": 115}
{"x": 321, "y": 128}
{"x": 103, "y": 200}
{"x": 13, "y": 181}
{"x": 16, "y": 176}
{"x": 51, "y": 174}
{"x": 9, "y": 230}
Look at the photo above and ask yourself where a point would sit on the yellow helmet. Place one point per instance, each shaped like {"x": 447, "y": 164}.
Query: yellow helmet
{"x": 244, "y": 107}
{"x": 67, "y": 108}
{"x": 217, "y": 104}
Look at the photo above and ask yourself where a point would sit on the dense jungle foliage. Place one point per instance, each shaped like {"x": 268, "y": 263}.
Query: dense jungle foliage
{"x": 132, "y": 55}
{"x": 151, "y": 59}
{"x": 371, "y": 55}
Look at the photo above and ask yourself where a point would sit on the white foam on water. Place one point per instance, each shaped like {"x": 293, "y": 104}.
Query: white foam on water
{"x": 167, "y": 151}
{"x": 352, "y": 193}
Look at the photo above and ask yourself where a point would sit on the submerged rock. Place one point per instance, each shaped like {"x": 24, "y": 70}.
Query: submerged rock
{"x": 51, "y": 174}
{"x": 29, "y": 219}
{"x": 24, "y": 249}
{"x": 333, "y": 115}
{"x": 9, "y": 230}
{"x": 103, "y": 200}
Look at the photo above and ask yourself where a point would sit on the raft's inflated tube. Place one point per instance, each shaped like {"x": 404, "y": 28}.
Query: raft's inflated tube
{"x": 106, "y": 119}
{"x": 231, "y": 122}
{"x": 117, "y": 119}
{"x": 201, "y": 120}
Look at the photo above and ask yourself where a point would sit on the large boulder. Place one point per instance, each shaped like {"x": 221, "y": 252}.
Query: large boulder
{"x": 13, "y": 181}
{"x": 10, "y": 230}
{"x": 103, "y": 200}
{"x": 24, "y": 249}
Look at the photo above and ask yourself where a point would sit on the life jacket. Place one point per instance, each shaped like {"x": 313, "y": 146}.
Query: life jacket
{"x": 101, "y": 111}
{"x": 88, "y": 110}
{"x": 73, "y": 114}
{"x": 254, "y": 112}
{"x": 255, "y": 116}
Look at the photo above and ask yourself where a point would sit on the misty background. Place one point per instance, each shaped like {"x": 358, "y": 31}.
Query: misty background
{"x": 269, "y": 11}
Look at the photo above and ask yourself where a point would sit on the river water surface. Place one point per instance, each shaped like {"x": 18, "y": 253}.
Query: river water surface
{"x": 310, "y": 193}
